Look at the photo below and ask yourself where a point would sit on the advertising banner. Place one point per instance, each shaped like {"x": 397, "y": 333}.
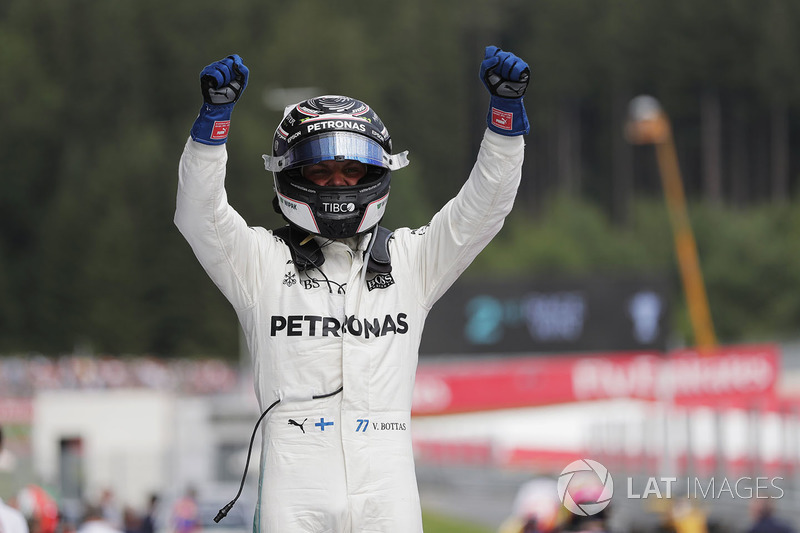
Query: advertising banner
{"x": 733, "y": 375}
{"x": 549, "y": 316}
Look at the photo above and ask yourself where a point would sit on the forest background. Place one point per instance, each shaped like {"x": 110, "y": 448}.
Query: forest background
{"x": 100, "y": 95}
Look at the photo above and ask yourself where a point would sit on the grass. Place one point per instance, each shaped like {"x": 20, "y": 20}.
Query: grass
{"x": 436, "y": 523}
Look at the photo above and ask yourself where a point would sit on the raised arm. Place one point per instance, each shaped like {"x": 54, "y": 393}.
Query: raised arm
{"x": 220, "y": 238}
{"x": 463, "y": 227}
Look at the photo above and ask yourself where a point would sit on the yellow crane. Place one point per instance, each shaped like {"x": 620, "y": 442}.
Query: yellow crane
{"x": 648, "y": 124}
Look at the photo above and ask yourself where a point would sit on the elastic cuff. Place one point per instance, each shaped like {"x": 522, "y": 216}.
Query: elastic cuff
{"x": 506, "y": 145}
{"x": 205, "y": 152}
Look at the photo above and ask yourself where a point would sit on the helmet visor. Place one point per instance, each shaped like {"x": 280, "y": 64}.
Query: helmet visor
{"x": 336, "y": 146}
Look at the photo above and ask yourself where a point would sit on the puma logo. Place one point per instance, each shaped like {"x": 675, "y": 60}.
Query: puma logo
{"x": 300, "y": 425}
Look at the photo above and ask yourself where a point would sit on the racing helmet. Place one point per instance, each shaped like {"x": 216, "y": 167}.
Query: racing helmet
{"x": 332, "y": 128}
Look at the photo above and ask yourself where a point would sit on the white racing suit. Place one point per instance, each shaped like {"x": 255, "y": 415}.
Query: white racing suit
{"x": 342, "y": 462}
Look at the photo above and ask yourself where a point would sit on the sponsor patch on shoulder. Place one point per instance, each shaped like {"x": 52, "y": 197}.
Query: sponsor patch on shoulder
{"x": 380, "y": 281}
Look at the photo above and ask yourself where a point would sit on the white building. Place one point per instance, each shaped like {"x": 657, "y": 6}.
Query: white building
{"x": 138, "y": 442}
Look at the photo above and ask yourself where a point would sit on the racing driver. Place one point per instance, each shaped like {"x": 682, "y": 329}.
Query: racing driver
{"x": 332, "y": 305}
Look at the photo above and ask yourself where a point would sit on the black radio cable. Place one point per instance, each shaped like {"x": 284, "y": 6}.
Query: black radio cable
{"x": 225, "y": 510}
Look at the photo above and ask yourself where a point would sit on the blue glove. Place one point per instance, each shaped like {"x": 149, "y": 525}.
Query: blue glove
{"x": 506, "y": 77}
{"x": 222, "y": 83}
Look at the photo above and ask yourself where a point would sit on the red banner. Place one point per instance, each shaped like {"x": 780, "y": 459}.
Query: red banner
{"x": 733, "y": 375}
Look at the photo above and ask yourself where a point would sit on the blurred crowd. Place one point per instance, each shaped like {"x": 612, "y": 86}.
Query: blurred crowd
{"x": 41, "y": 514}
{"x": 537, "y": 509}
{"x": 33, "y": 509}
{"x": 21, "y": 376}
{"x": 687, "y": 520}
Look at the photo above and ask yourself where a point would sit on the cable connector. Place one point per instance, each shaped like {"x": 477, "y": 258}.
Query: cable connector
{"x": 224, "y": 512}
